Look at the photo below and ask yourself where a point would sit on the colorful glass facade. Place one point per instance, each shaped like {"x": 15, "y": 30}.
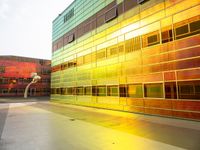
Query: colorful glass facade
{"x": 129, "y": 55}
{"x": 15, "y": 75}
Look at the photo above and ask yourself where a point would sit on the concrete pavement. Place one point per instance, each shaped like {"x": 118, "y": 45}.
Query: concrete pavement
{"x": 50, "y": 126}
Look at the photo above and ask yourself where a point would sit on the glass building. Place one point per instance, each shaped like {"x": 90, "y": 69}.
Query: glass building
{"x": 15, "y": 75}
{"x": 132, "y": 55}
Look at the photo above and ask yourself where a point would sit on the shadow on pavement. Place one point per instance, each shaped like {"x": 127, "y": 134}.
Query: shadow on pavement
{"x": 4, "y": 108}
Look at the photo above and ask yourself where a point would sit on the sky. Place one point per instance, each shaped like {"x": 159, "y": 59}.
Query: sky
{"x": 26, "y": 26}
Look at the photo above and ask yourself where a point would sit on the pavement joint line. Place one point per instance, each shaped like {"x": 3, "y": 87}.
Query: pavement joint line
{"x": 154, "y": 119}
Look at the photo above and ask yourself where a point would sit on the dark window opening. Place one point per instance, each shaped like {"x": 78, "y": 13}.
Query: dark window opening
{"x": 189, "y": 89}
{"x": 167, "y": 36}
{"x": 71, "y": 38}
{"x": 182, "y": 31}
{"x": 111, "y": 14}
{"x": 152, "y": 40}
{"x": 79, "y": 91}
{"x": 170, "y": 90}
{"x": 123, "y": 90}
{"x": 195, "y": 27}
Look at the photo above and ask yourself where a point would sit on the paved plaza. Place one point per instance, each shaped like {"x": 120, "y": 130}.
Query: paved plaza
{"x": 43, "y": 125}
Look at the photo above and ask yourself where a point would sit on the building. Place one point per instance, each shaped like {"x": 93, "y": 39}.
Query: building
{"x": 15, "y": 75}
{"x": 132, "y": 55}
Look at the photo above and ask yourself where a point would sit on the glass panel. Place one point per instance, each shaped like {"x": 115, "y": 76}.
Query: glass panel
{"x": 101, "y": 91}
{"x": 88, "y": 90}
{"x": 112, "y": 90}
{"x": 111, "y": 14}
{"x": 79, "y": 61}
{"x": 153, "y": 90}
{"x": 135, "y": 90}
{"x": 151, "y": 39}
{"x": 87, "y": 58}
{"x": 167, "y": 34}
{"x": 94, "y": 91}
{"x": 2, "y": 69}
{"x": 189, "y": 90}
{"x": 123, "y": 90}
{"x": 112, "y": 51}
{"x": 79, "y": 91}
{"x": 63, "y": 91}
{"x": 129, "y": 46}
{"x": 121, "y": 48}
{"x": 170, "y": 90}
{"x": 70, "y": 91}
{"x": 101, "y": 54}
{"x": 58, "y": 91}
{"x": 181, "y": 31}
{"x": 194, "y": 26}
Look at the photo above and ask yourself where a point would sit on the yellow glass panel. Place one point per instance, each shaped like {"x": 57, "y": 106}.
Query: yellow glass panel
{"x": 152, "y": 10}
{"x": 180, "y": 6}
{"x": 166, "y": 21}
{"x": 187, "y": 14}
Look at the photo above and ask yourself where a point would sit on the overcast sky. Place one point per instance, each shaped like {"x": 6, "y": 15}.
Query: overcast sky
{"x": 26, "y": 26}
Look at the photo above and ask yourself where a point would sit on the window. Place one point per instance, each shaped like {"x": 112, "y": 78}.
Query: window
{"x": 170, "y": 90}
{"x": 123, "y": 90}
{"x": 80, "y": 61}
{"x": 153, "y": 90}
{"x": 5, "y": 91}
{"x": 45, "y": 71}
{"x": 71, "y": 38}
{"x": 69, "y": 15}
{"x": 20, "y": 80}
{"x": 72, "y": 63}
{"x": 101, "y": 54}
{"x": 64, "y": 66}
{"x": 101, "y": 90}
{"x": 141, "y": 1}
{"x": 88, "y": 90}
{"x": 135, "y": 90}
{"x": 150, "y": 39}
{"x": 41, "y": 62}
{"x": 189, "y": 90}
{"x": 129, "y": 47}
{"x": 58, "y": 90}
{"x": 79, "y": 91}
{"x": 195, "y": 27}
{"x": 63, "y": 91}
{"x": 2, "y": 69}
{"x": 87, "y": 58}
{"x": 94, "y": 91}
{"x": 187, "y": 27}
{"x": 4, "y": 81}
{"x": 70, "y": 91}
{"x": 181, "y": 31}
{"x": 137, "y": 43}
{"x": 112, "y": 90}
{"x": 53, "y": 91}
{"x": 167, "y": 35}
{"x": 121, "y": 48}
{"x": 111, "y": 14}
{"x": 112, "y": 51}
